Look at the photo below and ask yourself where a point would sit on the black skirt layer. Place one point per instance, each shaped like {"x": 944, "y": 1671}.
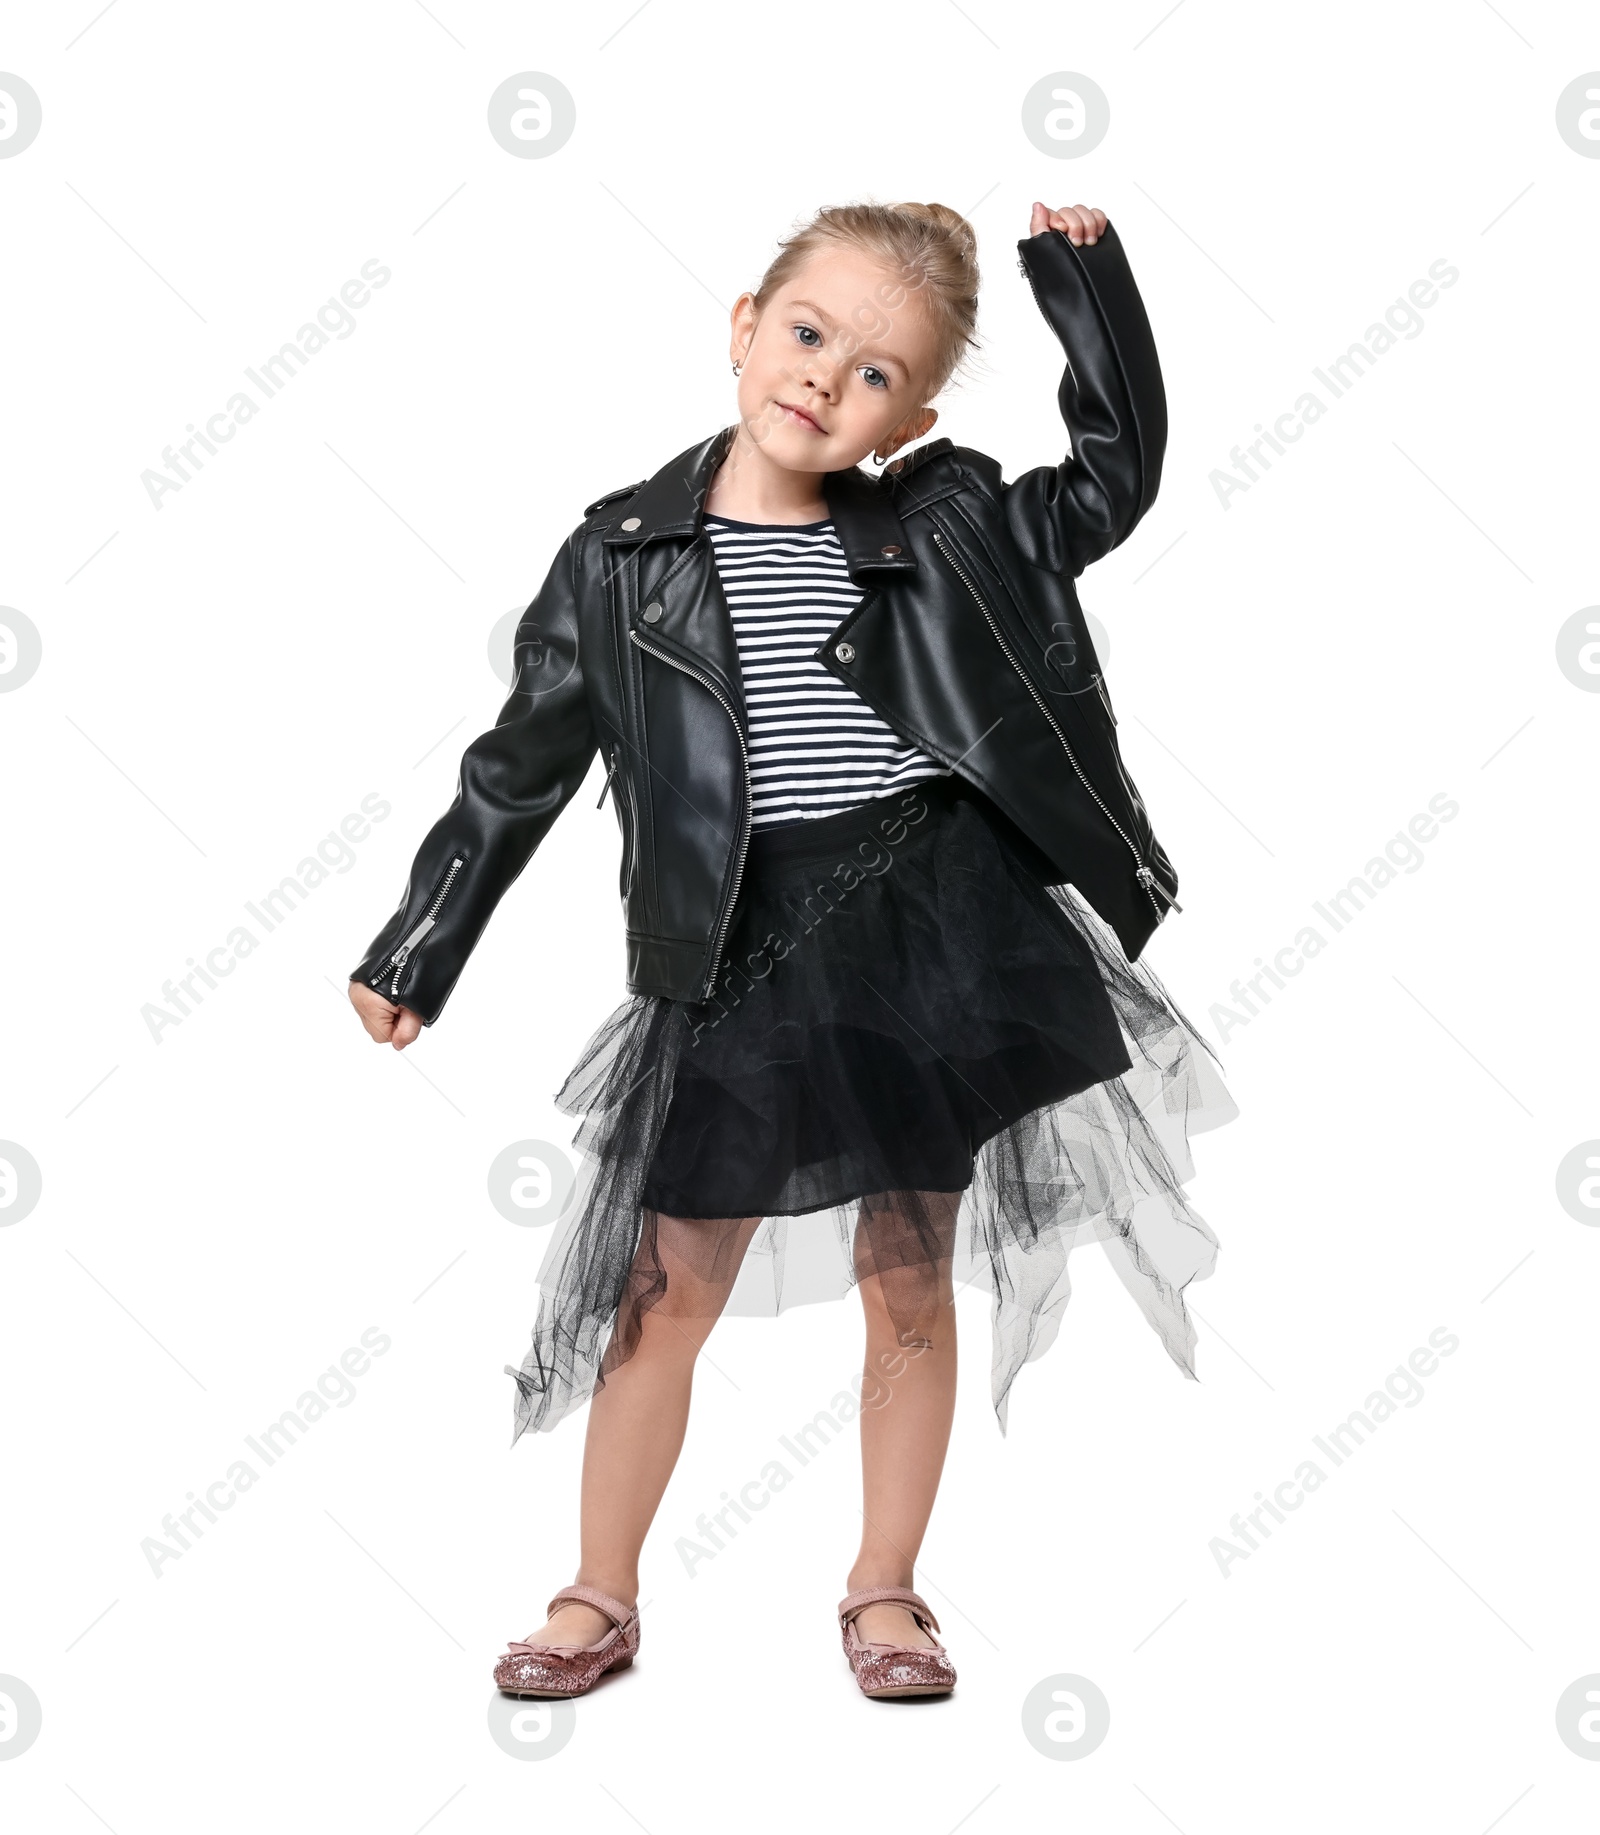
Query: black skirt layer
{"x": 919, "y": 1059}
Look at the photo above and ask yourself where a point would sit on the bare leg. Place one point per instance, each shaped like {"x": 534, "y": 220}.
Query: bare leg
{"x": 638, "y": 1417}
{"x": 908, "y": 1396}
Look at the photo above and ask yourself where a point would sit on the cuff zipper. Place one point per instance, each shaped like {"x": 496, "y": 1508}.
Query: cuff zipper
{"x": 403, "y": 954}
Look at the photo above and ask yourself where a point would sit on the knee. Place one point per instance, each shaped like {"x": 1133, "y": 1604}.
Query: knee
{"x": 915, "y": 1306}
{"x": 673, "y": 1333}
{"x": 684, "y": 1273}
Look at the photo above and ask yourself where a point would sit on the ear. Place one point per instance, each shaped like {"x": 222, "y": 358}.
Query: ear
{"x": 741, "y": 326}
{"x": 911, "y": 428}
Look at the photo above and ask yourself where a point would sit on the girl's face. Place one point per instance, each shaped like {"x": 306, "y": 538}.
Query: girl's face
{"x": 836, "y": 366}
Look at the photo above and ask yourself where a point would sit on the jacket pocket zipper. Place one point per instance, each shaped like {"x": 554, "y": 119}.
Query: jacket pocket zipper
{"x": 744, "y": 840}
{"x": 402, "y": 955}
{"x": 623, "y": 796}
{"x": 611, "y": 773}
{"x": 1143, "y": 874}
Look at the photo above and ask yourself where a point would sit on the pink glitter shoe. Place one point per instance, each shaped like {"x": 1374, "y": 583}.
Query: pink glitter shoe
{"x": 888, "y": 1671}
{"x": 558, "y": 1670}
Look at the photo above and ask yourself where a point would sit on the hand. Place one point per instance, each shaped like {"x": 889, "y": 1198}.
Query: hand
{"x": 1082, "y": 222}
{"x": 385, "y": 1022}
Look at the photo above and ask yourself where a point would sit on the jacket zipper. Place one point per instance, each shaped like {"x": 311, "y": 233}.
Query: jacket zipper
{"x": 403, "y": 954}
{"x": 744, "y": 841}
{"x": 623, "y": 794}
{"x": 1143, "y": 874}
{"x": 609, "y": 775}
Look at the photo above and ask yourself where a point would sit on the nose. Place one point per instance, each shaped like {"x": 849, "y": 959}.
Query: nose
{"x": 822, "y": 384}
{"x": 820, "y": 369}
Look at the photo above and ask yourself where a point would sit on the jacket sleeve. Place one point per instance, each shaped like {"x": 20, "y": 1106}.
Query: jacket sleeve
{"x": 1064, "y": 516}
{"x": 514, "y": 781}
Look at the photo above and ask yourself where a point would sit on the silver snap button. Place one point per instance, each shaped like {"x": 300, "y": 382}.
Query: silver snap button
{"x": 652, "y": 611}
{"x": 845, "y": 652}
{"x": 892, "y": 549}
{"x": 631, "y": 522}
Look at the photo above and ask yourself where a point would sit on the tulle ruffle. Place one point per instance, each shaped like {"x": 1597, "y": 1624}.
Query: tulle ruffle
{"x": 933, "y": 1067}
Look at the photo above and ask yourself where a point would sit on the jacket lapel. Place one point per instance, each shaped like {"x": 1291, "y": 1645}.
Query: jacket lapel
{"x": 693, "y": 620}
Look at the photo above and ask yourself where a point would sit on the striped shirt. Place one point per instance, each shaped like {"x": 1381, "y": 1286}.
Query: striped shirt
{"x": 815, "y": 746}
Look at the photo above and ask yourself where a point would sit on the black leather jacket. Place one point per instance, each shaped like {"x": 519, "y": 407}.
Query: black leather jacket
{"x": 969, "y": 642}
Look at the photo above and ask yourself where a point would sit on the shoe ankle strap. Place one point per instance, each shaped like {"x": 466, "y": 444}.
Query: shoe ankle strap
{"x": 613, "y": 1608}
{"x": 852, "y": 1603}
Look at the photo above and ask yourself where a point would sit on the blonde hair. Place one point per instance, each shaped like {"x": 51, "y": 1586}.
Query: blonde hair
{"x": 930, "y": 248}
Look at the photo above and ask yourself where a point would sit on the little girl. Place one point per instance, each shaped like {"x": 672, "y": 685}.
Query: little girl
{"x": 929, "y": 1060}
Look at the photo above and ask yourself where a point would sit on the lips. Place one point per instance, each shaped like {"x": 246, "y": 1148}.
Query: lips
{"x": 800, "y": 416}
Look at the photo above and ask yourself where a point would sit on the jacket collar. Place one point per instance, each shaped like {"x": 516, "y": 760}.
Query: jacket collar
{"x": 672, "y": 502}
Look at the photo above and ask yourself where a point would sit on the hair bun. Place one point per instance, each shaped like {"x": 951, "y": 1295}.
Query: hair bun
{"x": 950, "y": 222}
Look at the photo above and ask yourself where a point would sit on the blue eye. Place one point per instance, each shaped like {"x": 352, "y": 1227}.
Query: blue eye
{"x": 869, "y": 371}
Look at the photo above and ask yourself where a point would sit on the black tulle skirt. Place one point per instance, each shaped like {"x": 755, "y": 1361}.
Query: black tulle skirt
{"x": 920, "y": 1062}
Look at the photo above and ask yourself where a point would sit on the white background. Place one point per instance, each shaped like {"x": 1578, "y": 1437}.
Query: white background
{"x": 308, "y": 621}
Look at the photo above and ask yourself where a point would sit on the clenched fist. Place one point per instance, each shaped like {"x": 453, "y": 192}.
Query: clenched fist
{"x": 1081, "y": 222}
{"x": 385, "y": 1022}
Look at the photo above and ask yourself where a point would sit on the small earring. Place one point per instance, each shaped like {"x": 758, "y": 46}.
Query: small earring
{"x": 737, "y": 367}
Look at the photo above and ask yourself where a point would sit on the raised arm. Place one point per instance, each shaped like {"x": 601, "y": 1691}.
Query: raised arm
{"x": 1111, "y": 399}
{"x": 515, "y": 780}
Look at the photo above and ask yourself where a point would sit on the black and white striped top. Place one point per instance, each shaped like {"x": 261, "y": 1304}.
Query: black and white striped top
{"x": 815, "y": 746}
